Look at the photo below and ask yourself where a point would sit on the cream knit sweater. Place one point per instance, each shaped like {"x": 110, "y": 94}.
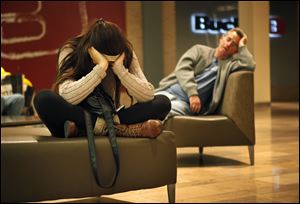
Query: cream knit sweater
{"x": 132, "y": 79}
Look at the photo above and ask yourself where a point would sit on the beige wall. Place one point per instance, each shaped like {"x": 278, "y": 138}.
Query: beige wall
{"x": 254, "y": 20}
{"x": 169, "y": 36}
{"x": 134, "y": 28}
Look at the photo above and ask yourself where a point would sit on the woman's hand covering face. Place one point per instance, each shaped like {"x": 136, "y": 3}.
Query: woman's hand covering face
{"x": 119, "y": 61}
{"x": 97, "y": 57}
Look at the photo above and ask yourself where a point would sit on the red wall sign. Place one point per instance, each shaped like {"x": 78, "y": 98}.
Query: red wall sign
{"x": 32, "y": 32}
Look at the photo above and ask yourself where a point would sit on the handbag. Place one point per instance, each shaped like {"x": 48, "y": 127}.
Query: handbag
{"x": 101, "y": 104}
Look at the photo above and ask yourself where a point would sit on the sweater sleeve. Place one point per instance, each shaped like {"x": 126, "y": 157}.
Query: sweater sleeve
{"x": 185, "y": 71}
{"x": 242, "y": 60}
{"x": 135, "y": 81}
{"x": 75, "y": 91}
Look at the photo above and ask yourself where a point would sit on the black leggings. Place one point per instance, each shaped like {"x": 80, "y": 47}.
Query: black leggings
{"x": 54, "y": 111}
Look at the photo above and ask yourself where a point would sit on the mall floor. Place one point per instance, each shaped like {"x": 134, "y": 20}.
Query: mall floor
{"x": 225, "y": 175}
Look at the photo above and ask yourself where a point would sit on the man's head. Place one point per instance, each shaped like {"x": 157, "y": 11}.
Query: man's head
{"x": 229, "y": 43}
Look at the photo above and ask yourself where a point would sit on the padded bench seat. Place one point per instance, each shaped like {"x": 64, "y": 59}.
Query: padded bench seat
{"x": 231, "y": 125}
{"x": 36, "y": 166}
{"x": 211, "y": 130}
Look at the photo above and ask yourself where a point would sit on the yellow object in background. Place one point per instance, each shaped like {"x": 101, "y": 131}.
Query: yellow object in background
{"x": 26, "y": 81}
{"x": 5, "y": 74}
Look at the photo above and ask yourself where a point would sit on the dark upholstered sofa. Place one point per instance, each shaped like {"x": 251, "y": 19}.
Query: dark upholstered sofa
{"x": 233, "y": 124}
{"x": 36, "y": 166}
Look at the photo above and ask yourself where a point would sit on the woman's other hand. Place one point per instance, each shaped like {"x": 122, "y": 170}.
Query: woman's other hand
{"x": 98, "y": 58}
{"x": 120, "y": 60}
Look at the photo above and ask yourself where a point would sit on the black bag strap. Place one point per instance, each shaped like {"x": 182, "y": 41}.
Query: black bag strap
{"x": 107, "y": 111}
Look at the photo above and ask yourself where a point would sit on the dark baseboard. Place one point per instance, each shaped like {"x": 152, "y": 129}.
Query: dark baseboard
{"x": 285, "y": 93}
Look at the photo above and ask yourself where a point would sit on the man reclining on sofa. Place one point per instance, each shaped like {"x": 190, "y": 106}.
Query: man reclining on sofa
{"x": 197, "y": 84}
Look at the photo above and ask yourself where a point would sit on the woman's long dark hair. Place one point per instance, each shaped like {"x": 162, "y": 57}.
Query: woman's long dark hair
{"x": 104, "y": 36}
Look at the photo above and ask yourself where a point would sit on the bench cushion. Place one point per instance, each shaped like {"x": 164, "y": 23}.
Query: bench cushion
{"x": 36, "y": 166}
{"x": 211, "y": 130}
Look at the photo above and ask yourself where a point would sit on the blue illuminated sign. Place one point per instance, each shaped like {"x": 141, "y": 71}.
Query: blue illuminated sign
{"x": 200, "y": 23}
{"x": 277, "y": 27}
{"x": 203, "y": 24}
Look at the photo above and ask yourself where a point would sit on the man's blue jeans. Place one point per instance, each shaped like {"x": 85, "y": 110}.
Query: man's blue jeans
{"x": 12, "y": 104}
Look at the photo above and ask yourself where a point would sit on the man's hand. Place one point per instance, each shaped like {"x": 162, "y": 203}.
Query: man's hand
{"x": 98, "y": 58}
{"x": 120, "y": 60}
{"x": 195, "y": 104}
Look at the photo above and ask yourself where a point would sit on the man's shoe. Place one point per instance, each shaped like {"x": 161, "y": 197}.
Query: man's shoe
{"x": 148, "y": 129}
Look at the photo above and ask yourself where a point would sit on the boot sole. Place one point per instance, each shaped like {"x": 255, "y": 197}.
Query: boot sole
{"x": 153, "y": 129}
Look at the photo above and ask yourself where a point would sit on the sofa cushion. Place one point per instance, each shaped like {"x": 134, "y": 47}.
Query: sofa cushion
{"x": 36, "y": 166}
{"x": 211, "y": 130}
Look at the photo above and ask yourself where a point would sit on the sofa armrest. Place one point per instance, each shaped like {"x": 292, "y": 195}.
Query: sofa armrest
{"x": 238, "y": 102}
